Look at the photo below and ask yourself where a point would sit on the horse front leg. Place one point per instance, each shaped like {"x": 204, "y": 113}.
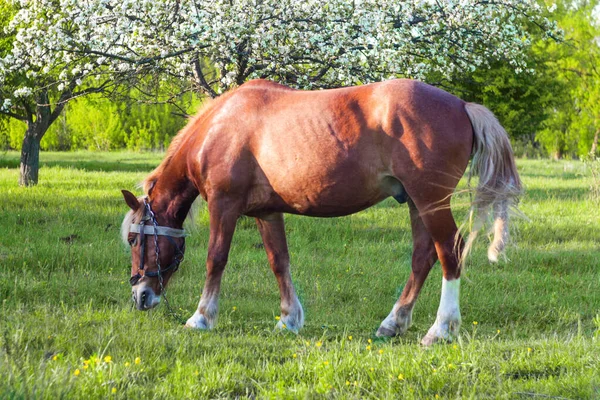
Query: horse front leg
{"x": 223, "y": 217}
{"x": 423, "y": 258}
{"x": 272, "y": 231}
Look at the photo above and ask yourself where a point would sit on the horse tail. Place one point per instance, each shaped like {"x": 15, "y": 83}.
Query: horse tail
{"x": 499, "y": 185}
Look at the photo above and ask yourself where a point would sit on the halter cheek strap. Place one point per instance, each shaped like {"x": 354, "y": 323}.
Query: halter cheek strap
{"x": 142, "y": 229}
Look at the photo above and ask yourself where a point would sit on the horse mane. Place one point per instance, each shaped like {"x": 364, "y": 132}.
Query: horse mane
{"x": 149, "y": 182}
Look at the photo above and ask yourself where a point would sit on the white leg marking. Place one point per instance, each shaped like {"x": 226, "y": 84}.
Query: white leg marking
{"x": 293, "y": 320}
{"x": 208, "y": 318}
{"x": 397, "y": 322}
{"x": 447, "y": 323}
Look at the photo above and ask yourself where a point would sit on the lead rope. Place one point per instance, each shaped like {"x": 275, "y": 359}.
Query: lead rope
{"x": 163, "y": 291}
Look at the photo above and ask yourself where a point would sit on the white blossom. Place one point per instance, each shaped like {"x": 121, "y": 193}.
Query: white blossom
{"x": 308, "y": 43}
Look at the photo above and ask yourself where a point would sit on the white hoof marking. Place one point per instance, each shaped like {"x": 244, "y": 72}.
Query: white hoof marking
{"x": 447, "y": 322}
{"x": 197, "y": 321}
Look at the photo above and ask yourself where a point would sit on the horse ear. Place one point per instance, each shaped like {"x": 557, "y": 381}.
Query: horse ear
{"x": 131, "y": 200}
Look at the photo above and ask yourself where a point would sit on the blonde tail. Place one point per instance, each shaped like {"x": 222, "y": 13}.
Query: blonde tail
{"x": 499, "y": 185}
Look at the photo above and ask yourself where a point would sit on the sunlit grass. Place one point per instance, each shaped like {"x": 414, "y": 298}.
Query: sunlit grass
{"x": 67, "y": 327}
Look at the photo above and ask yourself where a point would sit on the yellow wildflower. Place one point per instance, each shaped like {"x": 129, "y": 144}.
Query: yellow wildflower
{"x": 283, "y": 326}
{"x": 54, "y": 358}
{"x": 127, "y": 364}
{"x": 474, "y": 322}
{"x": 368, "y": 347}
{"x": 318, "y": 344}
{"x": 294, "y": 355}
{"x": 380, "y": 351}
{"x": 369, "y": 341}
{"x": 137, "y": 360}
{"x": 113, "y": 390}
{"x": 326, "y": 362}
{"x": 234, "y": 308}
{"x": 400, "y": 377}
{"x": 347, "y": 383}
{"x": 77, "y": 372}
{"x": 108, "y": 359}
{"x": 349, "y": 337}
{"x": 277, "y": 317}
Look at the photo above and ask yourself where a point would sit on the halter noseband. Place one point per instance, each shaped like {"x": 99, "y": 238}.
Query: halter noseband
{"x": 142, "y": 229}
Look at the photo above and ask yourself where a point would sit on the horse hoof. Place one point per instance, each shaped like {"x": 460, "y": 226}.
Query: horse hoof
{"x": 385, "y": 332}
{"x": 429, "y": 340}
{"x": 197, "y": 321}
{"x": 283, "y": 326}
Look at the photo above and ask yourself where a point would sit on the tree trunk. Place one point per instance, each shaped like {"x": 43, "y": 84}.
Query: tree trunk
{"x": 30, "y": 157}
{"x": 595, "y": 143}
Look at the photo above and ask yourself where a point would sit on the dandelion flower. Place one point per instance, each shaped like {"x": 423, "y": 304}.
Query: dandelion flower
{"x": 318, "y": 344}
{"x": 326, "y": 362}
{"x": 347, "y": 383}
{"x": 475, "y": 322}
{"x": 77, "y": 372}
{"x": 349, "y": 337}
{"x": 529, "y": 350}
{"x": 277, "y": 317}
{"x": 54, "y": 358}
{"x": 372, "y": 369}
{"x": 137, "y": 360}
{"x": 455, "y": 347}
{"x": 294, "y": 355}
{"x": 234, "y": 308}
{"x": 113, "y": 390}
{"x": 284, "y": 326}
{"x": 369, "y": 341}
{"x": 498, "y": 331}
{"x": 380, "y": 351}
{"x": 108, "y": 359}
{"x": 127, "y": 364}
{"x": 368, "y": 347}
{"x": 400, "y": 377}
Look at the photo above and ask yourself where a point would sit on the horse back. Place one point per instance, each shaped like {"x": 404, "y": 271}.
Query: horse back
{"x": 329, "y": 152}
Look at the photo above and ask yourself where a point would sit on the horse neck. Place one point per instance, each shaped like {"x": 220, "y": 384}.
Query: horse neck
{"x": 172, "y": 197}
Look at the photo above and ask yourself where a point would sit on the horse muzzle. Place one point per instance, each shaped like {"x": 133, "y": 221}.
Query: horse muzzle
{"x": 144, "y": 297}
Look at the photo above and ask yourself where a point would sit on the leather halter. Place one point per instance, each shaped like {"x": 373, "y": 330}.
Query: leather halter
{"x": 142, "y": 230}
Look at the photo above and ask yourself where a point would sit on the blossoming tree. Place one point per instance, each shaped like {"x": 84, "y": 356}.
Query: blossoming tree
{"x": 63, "y": 46}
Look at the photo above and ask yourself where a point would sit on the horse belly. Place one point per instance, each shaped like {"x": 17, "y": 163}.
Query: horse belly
{"x": 326, "y": 186}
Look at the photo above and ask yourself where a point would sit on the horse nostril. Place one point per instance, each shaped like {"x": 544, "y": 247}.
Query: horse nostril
{"x": 143, "y": 299}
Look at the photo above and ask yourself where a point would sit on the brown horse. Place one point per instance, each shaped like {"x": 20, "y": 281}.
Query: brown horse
{"x": 265, "y": 149}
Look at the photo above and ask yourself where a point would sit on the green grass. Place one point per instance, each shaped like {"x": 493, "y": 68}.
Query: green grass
{"x": 64, "y": 302}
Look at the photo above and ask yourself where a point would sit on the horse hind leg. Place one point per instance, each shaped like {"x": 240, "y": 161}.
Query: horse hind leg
{"x": 223, "y": 217}
{"x": 423, "y": 258}
{"x": 448, "y": 244}
{"x": 272, "y": 231}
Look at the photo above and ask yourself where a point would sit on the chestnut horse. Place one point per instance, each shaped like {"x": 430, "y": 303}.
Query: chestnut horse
{"x": 265, "y": 149}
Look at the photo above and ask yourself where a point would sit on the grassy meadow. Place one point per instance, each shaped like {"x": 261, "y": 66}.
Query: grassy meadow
{"x": 531, "y": 325}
